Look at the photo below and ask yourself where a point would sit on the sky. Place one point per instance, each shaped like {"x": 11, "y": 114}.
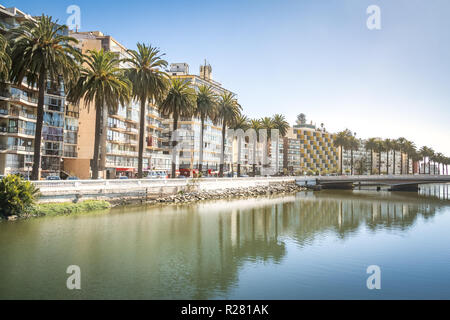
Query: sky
{"x": 301, "y": 56}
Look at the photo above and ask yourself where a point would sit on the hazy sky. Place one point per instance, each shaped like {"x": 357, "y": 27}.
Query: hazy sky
{"x": 312, "y": 56}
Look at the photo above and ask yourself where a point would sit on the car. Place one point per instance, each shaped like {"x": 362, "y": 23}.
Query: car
{"x": 123, "y": 177}
{"x": 52, "y": 178}
{"x": 73, "y": 178}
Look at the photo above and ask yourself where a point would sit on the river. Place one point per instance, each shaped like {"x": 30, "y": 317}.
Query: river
{"x": 311, "y": 245}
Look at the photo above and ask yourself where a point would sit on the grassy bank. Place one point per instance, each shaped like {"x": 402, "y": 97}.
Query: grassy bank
{"x": 66, "y": 208}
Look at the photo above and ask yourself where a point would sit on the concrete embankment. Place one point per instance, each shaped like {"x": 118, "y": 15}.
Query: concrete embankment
{"x": 146, "y": 190}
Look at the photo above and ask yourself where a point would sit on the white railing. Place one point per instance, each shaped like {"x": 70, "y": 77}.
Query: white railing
{"x": 150, "y": 182}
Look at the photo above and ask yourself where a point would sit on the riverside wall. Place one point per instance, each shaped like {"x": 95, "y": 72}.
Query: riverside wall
{"x": 145, "y": 189}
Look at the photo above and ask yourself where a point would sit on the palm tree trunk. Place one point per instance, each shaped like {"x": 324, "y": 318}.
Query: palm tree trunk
{"x": 222, "y": 153}
{"x": 35, "y": 173}
{"x": 141, "y": 139}
{"x": 401, "y": 163}
{"x": 342, "y": 156}
{"x": 351, "y": 161}
{"x": 393, "y": 172}
{"x": 387, "y": 162}
{"x": 407, "y": 164}
{"x": 200, "y": 161}
{"x": 239, "y": 156}
{"x": 255, "y": 144}
{"x": 277, "y": 156}
{"x": 98, "y": 126}
{"x": 379, "y": 163}
{"x": 174, "y": 144}
{"x": 371, "y": 162}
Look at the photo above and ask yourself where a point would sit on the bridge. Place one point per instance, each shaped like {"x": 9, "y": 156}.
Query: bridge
{"x": 394, "y": 182}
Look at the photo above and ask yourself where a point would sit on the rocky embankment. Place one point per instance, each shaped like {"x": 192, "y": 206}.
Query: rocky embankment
{"x": 195, "y": 196}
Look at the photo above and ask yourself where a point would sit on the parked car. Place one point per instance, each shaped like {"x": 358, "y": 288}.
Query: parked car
{"x": 53, "y": 178}
{"x": 123, "y": 177}
{"x": 73, "y": 178}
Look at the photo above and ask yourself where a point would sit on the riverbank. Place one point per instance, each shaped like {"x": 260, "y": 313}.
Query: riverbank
{"x": 182, "y": 196}
{"x": 220, "y": 194}
{"x": 149, "y": 189}
{"x": 59, "y": 209}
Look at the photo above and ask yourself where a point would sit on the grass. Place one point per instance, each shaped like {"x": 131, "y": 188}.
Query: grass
{"x": 66, "y": 208}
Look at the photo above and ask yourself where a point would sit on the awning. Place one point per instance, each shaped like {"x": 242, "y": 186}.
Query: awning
{"x": 125, "y": 169}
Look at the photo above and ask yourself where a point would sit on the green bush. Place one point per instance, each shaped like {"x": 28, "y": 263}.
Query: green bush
{"x": 17, "y": 196}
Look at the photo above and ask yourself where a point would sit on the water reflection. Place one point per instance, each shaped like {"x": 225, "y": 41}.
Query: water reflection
{"x": 192, "y": 251}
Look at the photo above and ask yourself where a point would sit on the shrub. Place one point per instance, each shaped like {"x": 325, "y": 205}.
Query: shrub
{"x": 17, "y": 196}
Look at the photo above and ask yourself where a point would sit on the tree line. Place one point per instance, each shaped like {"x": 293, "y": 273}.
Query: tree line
{"x": 346, "y": 140}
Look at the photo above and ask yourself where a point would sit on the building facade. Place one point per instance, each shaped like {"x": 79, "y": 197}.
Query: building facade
{"x": 18, "y": 113}
{"x": 189, "y": 153}
{"x": 318, "y": 154}
{"x": 119, "y": 138}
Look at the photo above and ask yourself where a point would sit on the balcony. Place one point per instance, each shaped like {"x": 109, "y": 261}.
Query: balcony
{"x": 72, "y": 114}
{"x": 132, "y": 130}
{"x": 71, "y": 128}
{"x": 15, "y": 130}
{"x": 70, "y": 154}
{"x": 48, "y": 152}
{"x": 22, "y": 98}
{"x": 19, "y": 113}
{"x": 123, "y": 153}
{"x": 16, "y": 148}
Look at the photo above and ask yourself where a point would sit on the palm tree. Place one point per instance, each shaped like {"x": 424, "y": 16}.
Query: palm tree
{"x": 401, "y": 143}
{"x": 228, "y": 111}
{"x": 387, "y": 148}
{"x": 353, "y": 145}
{"x": 255, "y": 124}
{"x": 179, "y": 102}
{"x": 280, "y": 123}
{"x": 411, "y": 152}
{"x": 440, "y": 160}
{"x": 240, "y": 124}
{"x": 5, "y": 58}
{"x": 415, "y": 157}
{"x": 379, "y": 148}
{"x": 371, "y": 144}
{"x": 149, "y": 85}
{"x": 342, "y": 141}
{"x": 105, "y": 84}
{"x": 446, "y": 164}
{"x": 205, "y": 108}
{"x": 268, "y": 125}
{"x": 395, "y": 147}
{"x": 40, "y": 50}
{"x": 426, "y": 152}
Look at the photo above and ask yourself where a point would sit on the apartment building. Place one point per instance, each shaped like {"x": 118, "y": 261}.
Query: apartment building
{"x": 361, "y": 160}
{"x": 18, "y": 110}
{"x": 189, "y": 154}
{"x": 119, "y": 139}
{"x": 318, "y": 154}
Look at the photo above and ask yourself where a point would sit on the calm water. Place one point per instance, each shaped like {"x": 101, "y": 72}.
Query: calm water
{"x": 307, "y": 246}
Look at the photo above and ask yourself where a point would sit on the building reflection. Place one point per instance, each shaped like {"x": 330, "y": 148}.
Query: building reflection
{"x": 193, "y": 251}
